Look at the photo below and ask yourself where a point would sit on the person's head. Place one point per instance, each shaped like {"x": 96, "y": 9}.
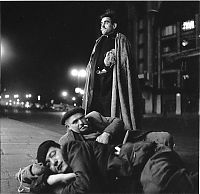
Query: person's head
{"x": 108, "y": 22}
{"x": 49, "y": 154}
{"x": 75, "y": 120}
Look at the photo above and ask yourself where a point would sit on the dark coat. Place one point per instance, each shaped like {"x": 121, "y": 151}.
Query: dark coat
{"x": 98, "y": 169}
{"x": 140, "y": 167}
{"x": 97, "y": 125}
{"x": 126, "y": 96}
{"x": 165, "y": 173}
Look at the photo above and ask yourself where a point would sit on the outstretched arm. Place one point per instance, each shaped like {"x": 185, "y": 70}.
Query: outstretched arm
{"x": 47, "y": 181}
{"x": 63, "y": 178}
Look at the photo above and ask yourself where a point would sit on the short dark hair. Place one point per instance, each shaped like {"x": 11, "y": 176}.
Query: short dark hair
{"x": 70, "y": 113}
{"x": 44, "y": 148}
{"x": 111, "y": 14}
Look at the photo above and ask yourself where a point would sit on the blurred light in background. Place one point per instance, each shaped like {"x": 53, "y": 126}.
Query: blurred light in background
{"x": 6, "y": 51}
{"x": 73, "y": 98}
{"x": 28, "y": 95}
{"x": 64, "y": 93}
{"x": 79, "y": 91}
{"x": 78, "y": 73}
{"x": 16, "y": 95}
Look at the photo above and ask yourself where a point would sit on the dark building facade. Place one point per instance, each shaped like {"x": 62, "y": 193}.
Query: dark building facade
{"x": 166, "y": 41}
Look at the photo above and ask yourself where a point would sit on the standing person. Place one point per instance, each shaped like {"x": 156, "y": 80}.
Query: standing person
{"x": 112, "y": 86}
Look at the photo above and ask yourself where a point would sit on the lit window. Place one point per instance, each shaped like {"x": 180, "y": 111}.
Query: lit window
{"x": 188, "y": 25}
{"x": 169, "y": 30}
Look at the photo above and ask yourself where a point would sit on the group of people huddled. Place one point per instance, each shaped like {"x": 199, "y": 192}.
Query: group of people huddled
{"x": 104, "y": 149}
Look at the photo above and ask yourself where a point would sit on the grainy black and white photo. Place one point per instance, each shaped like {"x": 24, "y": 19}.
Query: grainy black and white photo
{"x": 100, "y": 97}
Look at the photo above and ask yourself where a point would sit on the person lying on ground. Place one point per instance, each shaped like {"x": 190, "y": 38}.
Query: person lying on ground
{"x": 94, "y": 126}
{"x": 74, "y": 121}
{"x": 34, "y": 174}
{"x": 140, "y": 167}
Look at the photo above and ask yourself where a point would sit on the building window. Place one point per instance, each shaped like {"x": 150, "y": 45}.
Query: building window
{"x": 169, "y": 46}
{"x": 188, "y": 25}
{"x": 141, "y": 24}
{"x": 141, "y": 53}
{"x": 169, "y": 63}
{"x": 141, "y": 67}
{"x": 188, "y": 43}
{"x": 141, "y": 38}
{"x": 169, "y": 81}
{"x": 169, "y": 30}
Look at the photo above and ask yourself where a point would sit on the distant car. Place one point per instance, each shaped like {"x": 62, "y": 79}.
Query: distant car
{"x": 58, "y": 107}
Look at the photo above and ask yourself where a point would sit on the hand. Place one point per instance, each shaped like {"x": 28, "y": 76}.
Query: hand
{"x": 103, "y": 138}
{"x": 37, "y": 169}
{"x": 110, "y": 58}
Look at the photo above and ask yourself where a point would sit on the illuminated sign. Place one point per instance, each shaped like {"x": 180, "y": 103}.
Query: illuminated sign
{"x": 188, "y": 25}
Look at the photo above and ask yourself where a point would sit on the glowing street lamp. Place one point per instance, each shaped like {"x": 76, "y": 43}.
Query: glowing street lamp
{"x": 74, "y": 72}
{"x": 78, "y": 73}
{"x": 79, "y": 91}
{"x": 2, "y": 50}
{"x": 73, "y": 98}
{"x": 81, "y": 73}
{"x": 28, "y": 95}
{"x": 64, "y": 93}
{"x": 6, "y": 50}
{"x": 39, "y": 97}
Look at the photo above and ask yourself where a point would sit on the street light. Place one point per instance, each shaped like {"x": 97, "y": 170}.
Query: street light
{"x": 79, "y": 73}
{"x": 82, "y": 73}
{"x": 79, "y": 91}
{"x": 73, "y": 98}
{"x": 74, "y": 72}
{"x": 2, "y": 50}
{"x": 6, "y": 50}
{"x": 28, "y": 95}
{"x": 64, "y": 93}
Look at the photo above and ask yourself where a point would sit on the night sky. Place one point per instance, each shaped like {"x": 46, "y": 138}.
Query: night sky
{"x": 43, "y": 41}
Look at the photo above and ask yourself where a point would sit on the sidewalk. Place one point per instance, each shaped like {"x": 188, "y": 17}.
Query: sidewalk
{"x": 19, "y": 143}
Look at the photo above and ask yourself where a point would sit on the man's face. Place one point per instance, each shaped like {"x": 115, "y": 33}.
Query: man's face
{"x": 107, "y": 26}
{"x": 54, "y": 160}
{"x": 77, "y": 123}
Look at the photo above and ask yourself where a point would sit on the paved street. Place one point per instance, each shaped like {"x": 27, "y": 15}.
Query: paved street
{"x": 19, "y": 141}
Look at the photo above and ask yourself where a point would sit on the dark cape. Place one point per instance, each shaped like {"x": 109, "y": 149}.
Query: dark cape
{"x": 126, "y": 97}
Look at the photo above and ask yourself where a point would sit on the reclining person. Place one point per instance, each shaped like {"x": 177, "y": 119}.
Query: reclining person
{"x": 94, "y": 126}
{"x": 93, "y": 167}
{"x": 105, "y": 130}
